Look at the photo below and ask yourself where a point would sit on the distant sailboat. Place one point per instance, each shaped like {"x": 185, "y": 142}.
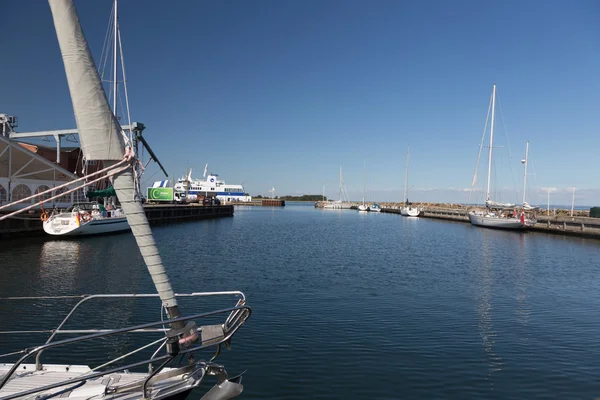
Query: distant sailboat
{"x": 363, "y": 207}
{"x": 496, "y": 214}
{"x": 338, "y": 204}
{"x": 408, "y": 210}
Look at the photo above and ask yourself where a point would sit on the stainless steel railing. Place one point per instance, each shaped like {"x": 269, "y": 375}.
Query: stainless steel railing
{"x": 236, "y": 317}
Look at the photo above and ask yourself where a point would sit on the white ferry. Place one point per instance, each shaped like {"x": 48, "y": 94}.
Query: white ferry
{"x": 193, "y": 189}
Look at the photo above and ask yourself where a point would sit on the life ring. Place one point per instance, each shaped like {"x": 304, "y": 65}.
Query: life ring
{"x": 44, "y": 217}
{"x": 86, "y": 216}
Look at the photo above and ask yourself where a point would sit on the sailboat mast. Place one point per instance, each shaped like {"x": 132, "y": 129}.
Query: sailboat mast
{"x": 341, "y": 199}
{"x": 115, "y": 44}
{"x": 99, "y": 134}
{"x": 525, "y": 173}
{"x": 364, "y": 180}
{"x": 491, "y": 143}
{"x": 406, "y": 176}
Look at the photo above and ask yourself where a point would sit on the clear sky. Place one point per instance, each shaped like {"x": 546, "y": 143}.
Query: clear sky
{"x": 274, "y": 93}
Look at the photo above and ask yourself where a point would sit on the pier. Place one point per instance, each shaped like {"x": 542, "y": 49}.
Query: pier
{"x": 31, "y": 225}
{"x": 259, "y": 202}
{"x": 582, "y": 226}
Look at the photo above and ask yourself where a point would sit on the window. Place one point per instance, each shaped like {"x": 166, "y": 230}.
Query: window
{"x": 41, "y": 189}
{"x": 20, "y": 192}
{"x": 79, "y": 196}
{"x": 64, "y": 198}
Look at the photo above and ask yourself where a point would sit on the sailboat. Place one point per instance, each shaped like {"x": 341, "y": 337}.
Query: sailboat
{"x": 363, "y": 207}
{"x": 496, "y": 214}
{"x": 338, "y": 204}
{"x": 408, "y": 210}
{"x": 173, "y": 370}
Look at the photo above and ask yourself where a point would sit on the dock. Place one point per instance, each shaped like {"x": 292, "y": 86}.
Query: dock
{"x": 581, "y": 226}
{"x": 31, "y": 225}
{"x": 259, "y": 202}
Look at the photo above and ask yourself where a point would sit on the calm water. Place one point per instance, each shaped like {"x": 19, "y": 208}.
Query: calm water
{"x": 349, "y": 305}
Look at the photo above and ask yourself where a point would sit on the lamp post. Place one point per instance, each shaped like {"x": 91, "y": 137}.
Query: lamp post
{"x": 573, "y": 201}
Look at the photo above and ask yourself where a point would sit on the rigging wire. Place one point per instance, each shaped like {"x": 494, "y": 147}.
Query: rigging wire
{"x": 480, "y": 148}
{"x": 510, "y": 158}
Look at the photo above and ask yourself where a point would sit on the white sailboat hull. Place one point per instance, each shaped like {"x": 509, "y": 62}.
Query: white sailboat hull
{"x": 363, "y": 207}
{"x": 409, "y": 212}
{"x": 489, "y": 221}
{"x": 375, "y": 209}
{"x": 337, "y": 205}
{"x": 66, "y": 225}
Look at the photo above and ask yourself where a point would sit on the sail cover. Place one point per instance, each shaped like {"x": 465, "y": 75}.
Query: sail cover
{"x": 101, "y": 139}
{"x": 99, "y": 133}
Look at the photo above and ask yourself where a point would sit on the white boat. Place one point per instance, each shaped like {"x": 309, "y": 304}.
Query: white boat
{"x": 211, "y": 186}
{"x": 408, "y": 210}
{"x": 339, "y": 204}
{"x": 375, "y": 208}
{"x": 85, "y": 219}
{"x": 175, "y": 342}
{"x": 496, "y": 214}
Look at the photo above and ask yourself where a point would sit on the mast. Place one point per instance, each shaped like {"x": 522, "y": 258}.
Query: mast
{"x": 364, "y": 180}
{"x": 525, "y": 173}
{"x": 406, "y": 177}
{"x": 341, "y": 200}
{"x": 491, "y": 144}
{"x": 102, "y": 140}
{"x": 116, "y": 29}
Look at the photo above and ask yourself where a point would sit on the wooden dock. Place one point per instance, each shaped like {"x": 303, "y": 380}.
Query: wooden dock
{"x": 27, "y": 225}
{"x": 562, "y": 225}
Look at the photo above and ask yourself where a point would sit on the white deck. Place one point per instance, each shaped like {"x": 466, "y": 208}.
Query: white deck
{"x": 28, "y": 378}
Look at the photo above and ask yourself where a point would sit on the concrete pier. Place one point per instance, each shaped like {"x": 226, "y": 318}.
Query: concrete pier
{"x": 560, "y": 224}
{"x": 259, "y": 202}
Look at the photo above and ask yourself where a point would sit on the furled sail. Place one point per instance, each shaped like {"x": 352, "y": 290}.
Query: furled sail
{"x": 101, "y": 139}
{"x": 496, "y": 204}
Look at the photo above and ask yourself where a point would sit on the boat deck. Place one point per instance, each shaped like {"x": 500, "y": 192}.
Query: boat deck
{"x": 116, "y": 386}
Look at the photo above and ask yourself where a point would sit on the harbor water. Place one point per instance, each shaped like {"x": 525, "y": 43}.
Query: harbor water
{"x": 345, "y": 304}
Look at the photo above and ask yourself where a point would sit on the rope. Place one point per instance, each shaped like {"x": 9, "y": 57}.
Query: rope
{"x": 65, "y": 184}
{"x": 129, "y": 155}
{"x": 63, "y": 193}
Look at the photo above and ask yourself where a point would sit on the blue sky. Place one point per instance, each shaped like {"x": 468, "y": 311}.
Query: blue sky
{"x": 283, "y": 93}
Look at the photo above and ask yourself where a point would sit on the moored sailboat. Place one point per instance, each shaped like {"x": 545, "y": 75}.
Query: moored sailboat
{"x": 408, "y": 210}
{"x": 363, "y": 206}
{"x": 338, "y": 204}
{"x": 173, "y": 370}
{"x": 496, "y": 214}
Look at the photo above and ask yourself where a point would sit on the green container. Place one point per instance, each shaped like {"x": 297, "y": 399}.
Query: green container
{"x": 160, "y": 194}
{"x": 595, "y": 212}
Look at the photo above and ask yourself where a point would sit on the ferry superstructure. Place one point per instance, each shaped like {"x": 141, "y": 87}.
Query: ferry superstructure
{"x": 211, "y": 187}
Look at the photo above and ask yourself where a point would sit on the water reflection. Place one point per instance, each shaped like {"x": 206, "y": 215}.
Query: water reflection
{"x": 58, "y": 263}
{"x": 522, "y": 277}
{"x": 484, "y": 305}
